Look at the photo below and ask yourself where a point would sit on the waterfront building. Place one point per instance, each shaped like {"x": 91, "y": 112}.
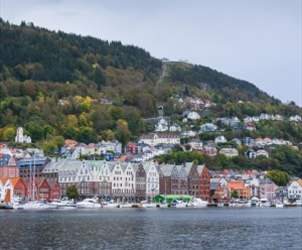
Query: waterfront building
{"x": 165, "y": 172}
{"x": 31, "y": 165}
{"x": 11, "y": 188}
{"x": 243, "y": 192}
{"x": 123, "y": 181}
{"x": 152, "y": 179}
{"x": 218, "y": 190}
{"x": 204, "y": 182}
{"x": 140, "y": 184}
{"x": 294, "y": 190}
{"x": 193, "y": 179}
{"x": 267, "y": 189}
{"x": 179, "y": 180}
{"x": 51, "y": 173}
{"x": 10, "y": 170}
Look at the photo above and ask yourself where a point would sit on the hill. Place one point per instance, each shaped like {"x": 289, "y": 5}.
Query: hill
{"x": 59, "y": 84}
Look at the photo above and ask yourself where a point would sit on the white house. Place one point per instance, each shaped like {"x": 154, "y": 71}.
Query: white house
{"x": 229, "y": 152}
{"x": 262, "y": 152}
{"x": 264, "y": 116}
{"x": 294, "y": 190}
{"x": 162, "y": 125}
{"x": 196, "y": 144}
{"x": 220, "y": 139}
{"x": 175, "y": 128}
{"x": 21, "y": 138}
{"x": 104, "y": 147}
{"x": 154, "y": 139}
{"x": 193, "y": 116}
{"x": 210, "y": 150}
{"x": 295, "y": 118}
{"x": 251, "y": 154}
{"x": 208, "y": 127}
{"x": 188, "y": 133}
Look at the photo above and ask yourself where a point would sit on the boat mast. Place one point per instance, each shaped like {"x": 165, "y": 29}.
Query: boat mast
{"x": 30, "y": 180}
{"x": 34, "y": 178}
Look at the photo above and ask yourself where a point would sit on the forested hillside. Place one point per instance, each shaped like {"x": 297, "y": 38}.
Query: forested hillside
{"x": 59, "y": 85}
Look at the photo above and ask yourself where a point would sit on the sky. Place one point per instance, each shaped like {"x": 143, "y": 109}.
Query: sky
{"x": 259, "y": 41}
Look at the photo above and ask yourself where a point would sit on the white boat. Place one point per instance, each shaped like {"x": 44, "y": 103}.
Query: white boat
{"x": 198, "y": 203}
{"x": 64, "y": 204}
{"x": 88, "y": 203}
{"x": 265, "y": 203}
{"x": 220, "y": 204}
{"x": 163, "y": 205}
{"x": 149, "y": 205}
{"x": 180, "y": 204}
{"x": 36, "y": 205}
{"x": 279, "y": 205}
{"x": 146, "y": 204}
{"x": 240, "y": 204}
{"x": 125, "y": 205}
{"x": 299, "y": 203}
{"x": 109, "y": 205}
{"x": 255, "y": 202}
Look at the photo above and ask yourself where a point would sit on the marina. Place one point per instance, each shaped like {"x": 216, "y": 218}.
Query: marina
{"x": 187, "y": 228}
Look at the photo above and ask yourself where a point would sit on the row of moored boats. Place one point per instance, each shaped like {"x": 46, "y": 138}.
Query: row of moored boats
{"x": 94, "y": 203}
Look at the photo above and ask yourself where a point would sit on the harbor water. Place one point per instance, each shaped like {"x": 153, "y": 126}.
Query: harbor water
{"x": 209, "y": 228}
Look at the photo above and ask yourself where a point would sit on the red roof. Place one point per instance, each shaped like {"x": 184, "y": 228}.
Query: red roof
{"x": 235, "y": 185}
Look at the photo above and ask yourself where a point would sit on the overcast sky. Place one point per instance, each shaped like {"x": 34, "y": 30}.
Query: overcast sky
{"x": 259, "y": 41}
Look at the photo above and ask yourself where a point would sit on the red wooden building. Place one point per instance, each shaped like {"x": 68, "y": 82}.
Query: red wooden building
{"x": 204, "y": 183}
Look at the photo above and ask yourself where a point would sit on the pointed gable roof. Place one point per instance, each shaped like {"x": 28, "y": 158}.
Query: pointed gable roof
{"x": 200, "y": 168}
{"x": 12, "y": 162}
{"x": 182, "y": 171}
{"x": 175, "y": 171}
{"x": 188, "y": 167}
{"x": 148, "y": 165}
{"x": 166, "y": 170}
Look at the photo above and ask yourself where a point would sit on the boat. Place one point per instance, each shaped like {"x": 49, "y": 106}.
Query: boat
{"x": 5, "y": 206}
{"x": 125, "y": 205}
{"x": 198, "y": 203}
{"x": 240, "y": 204}
{"x": 180, "y": 204}
{"x": 265, "y": 203}
{"x": 36, "y": 205}
{"x": 279, "y": 204}
{"x": 88, "y": 203}
{"x": 109, "y": 205}
{"x": 163, "y": 205}
{"x": 64, "y": 204}
{"x": 220, "y": 204}
{"x": 146, "y": 204}
{"x": 255, "y": 202}
{"x": 299, "y": 203}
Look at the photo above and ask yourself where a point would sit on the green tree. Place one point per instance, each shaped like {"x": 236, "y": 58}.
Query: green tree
{"x": 8, "y": 133}
{"x": 122, "y": 131}
{"x": 234, "y": 194}
{"x": 279, "y": 177}
{"x": 72, "y": 192}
